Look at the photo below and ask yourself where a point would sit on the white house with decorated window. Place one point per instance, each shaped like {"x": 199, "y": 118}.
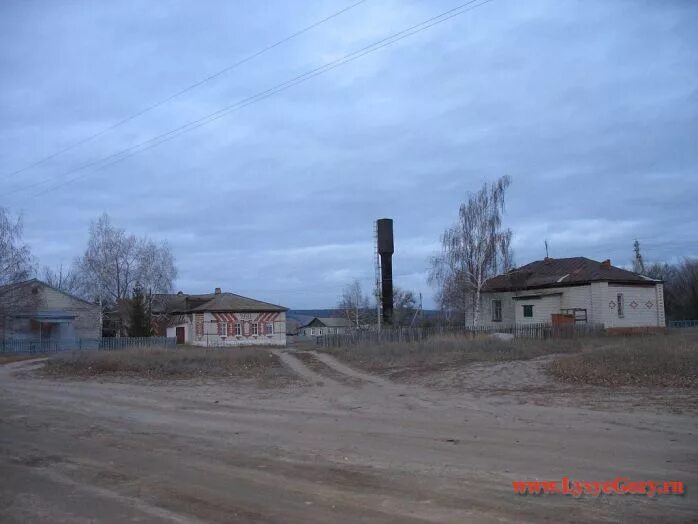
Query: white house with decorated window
{"x": 574, "y": 290}
{"x": 221, "y": 319}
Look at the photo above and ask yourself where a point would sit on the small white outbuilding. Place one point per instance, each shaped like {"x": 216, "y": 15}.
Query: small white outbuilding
{"x": 574, "y": 290}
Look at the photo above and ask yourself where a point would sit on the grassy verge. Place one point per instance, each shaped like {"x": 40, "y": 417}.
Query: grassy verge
{"x": 170, "y": 363}
{"x": 451, "y": 351}
{"x": 670, "y": 360}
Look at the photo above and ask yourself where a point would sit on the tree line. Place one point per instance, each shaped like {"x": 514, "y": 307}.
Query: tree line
{"x": 680, "y": 283}
{"x": 117, "y": 269}
{"x": 360, "y": 311}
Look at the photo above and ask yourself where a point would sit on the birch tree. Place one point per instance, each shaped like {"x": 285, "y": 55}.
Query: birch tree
{"x": 474, "y": 249}
{"x": 16, "y": 261}
{"x": 115, "y": 261}
{"x": 353, "y": 304}
{"x": 16, "y": 265}
{"x": 65, "y": 279}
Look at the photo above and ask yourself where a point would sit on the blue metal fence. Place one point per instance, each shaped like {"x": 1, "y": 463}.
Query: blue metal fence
{"x": 683, "y": 323}
{"x": 105, "y": 344}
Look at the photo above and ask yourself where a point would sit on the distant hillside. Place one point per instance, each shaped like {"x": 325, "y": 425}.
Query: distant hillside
{"x": 306, "y": 315}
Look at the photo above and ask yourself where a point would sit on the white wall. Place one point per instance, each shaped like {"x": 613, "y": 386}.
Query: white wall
{"x": 172, "y": 331}
{"x": 642, "y": 306}
{"x": 508, "y": 317}
{"x": 595, "y": 298}
{"x": 542, "y": 309}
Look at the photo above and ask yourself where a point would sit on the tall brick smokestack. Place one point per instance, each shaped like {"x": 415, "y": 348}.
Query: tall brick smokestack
{"x": 386, "y": 249}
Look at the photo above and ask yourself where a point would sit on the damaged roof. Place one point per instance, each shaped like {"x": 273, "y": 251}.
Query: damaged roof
{"x": 558, "y": 272}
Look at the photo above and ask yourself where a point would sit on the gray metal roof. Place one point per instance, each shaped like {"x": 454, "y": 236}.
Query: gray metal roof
{"x": 330, "y": 322}
{"x": 182, "y": 303}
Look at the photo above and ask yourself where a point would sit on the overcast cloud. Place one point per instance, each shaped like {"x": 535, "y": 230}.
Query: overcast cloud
{"x": 590, "y": 106}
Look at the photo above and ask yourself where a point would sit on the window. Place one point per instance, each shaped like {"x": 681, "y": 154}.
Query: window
{"x": 223, "y": 328}
{"x": 269, "y": 328}
{"x": 255, "y": 328}
{"x": 620, "y": 305}
{"x": 319, "y": 331}
{"x": 496, "y": 311}
{"x": 528, "y": 311}
{"x": 312, "y": 331}
{"x": 238, "y": 329}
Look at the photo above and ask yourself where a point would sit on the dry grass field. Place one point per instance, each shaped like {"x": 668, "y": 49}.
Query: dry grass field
{"x": 185, "y": 362}
{"x": 446, "y": 352}
{"x": 666, "y": 361}
{"x": 647, "y": 360}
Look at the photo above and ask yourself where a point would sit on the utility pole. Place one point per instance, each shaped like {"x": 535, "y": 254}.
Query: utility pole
{"x": 418, "y": 312}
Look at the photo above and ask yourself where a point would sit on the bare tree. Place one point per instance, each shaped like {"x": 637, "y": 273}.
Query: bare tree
{"x": 16, "y": 265}
{"x": 684, "y": 290}
{"x": 115, "y": 261}
{"x": 16, "y": 261}
{"x": 353, "y": 304}
{"x": 404, "y": 306}
{"x": 473, "y": 250}
{"x": 65, "y": 279}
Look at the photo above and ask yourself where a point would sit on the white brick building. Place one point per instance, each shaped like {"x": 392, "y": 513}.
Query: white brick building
{"x": 573, "y": 290}
{"x": 221, "y": 319}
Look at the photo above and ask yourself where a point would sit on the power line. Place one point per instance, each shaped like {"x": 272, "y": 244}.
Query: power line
{"x": 187, "y": 89}
{"x": 304, "y": 77}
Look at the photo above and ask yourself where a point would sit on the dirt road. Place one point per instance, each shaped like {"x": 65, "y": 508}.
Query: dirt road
{"x": 342, "y": 447}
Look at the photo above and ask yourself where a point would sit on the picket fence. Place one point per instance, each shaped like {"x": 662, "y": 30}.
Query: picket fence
{"x": 104, "y": 344}
{"x": 540, "y": 330}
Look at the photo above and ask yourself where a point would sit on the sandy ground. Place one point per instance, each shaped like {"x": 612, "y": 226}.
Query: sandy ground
{"x": 526, "y": 382}
{"x": 339, "y": 446}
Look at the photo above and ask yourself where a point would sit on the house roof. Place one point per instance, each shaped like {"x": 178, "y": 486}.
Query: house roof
{"x": 180, "y": 303}
{"x": 16, "y": 285}
{"x": 330, "y": 322}
{"x": 560, "y": 272}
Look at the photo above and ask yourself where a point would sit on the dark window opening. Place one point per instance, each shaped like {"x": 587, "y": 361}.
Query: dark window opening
{"x": 528, "y": 311}
{"x": 620, "y": 305}
{"x": 496, "y": 311}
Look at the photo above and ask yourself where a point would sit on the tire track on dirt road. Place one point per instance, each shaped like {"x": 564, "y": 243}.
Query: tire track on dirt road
{"x": 304, "y": 371}
{"x": 349, "y": 371}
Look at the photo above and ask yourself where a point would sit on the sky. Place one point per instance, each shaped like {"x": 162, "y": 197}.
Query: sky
{"x": 591, "y": 107}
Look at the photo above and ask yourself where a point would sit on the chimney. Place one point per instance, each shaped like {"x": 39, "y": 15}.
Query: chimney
{"x": 606, "y": 264}
{"x": 218, "y": 291}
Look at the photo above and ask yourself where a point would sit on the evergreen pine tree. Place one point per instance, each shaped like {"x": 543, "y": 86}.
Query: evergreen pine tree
{"x": 139, "y": 325}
